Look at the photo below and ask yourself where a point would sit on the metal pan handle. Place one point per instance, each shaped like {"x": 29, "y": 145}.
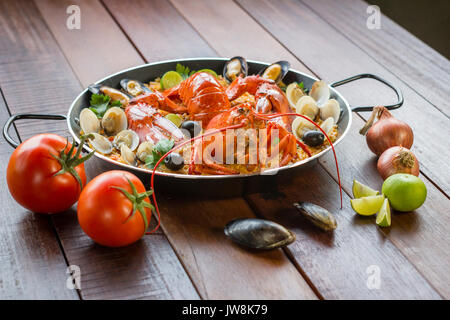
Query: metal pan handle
{"x": 19, "y": 116}
{"x": 399, "y": 94}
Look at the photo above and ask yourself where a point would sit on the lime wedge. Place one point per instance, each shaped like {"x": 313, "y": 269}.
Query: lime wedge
{"x": 360, "y": 190}
{"x": 170, "y": 79}
{"x": 367, "y": 206}
{"x": 175, "y": 118}
{"x": 384, "y": 215}
{"x": 212, "y": 72}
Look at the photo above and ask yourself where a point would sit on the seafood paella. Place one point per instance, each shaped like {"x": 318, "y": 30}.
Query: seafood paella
{"x": 205, "y": 122}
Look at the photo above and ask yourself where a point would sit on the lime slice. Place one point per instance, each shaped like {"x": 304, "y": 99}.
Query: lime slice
{"x": 175, "y": 118}
{"x": 360, "y": 190}
{"x": 384, "y": 215}
{"x": 209, "y": 71}
{"x": 170, "y": 79}
{"x": 367, "y": 206}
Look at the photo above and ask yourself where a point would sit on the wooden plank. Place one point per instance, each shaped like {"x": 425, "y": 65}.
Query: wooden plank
{"x": 413, "y": 235}
{"x": 333, "y": 57}
{"x": 207, "y": 261}
{"x": 422, "y": 68}
{"x": 101, "y": 36}
{"x": 360, "y": 241}
{"x": 51, "y": 85}
{"x": 224, "y": 25}
{"x": 32, "y": 265}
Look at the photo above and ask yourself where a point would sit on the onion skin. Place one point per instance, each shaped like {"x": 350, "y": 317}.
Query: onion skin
{"x": 397, "y": 160}
{"x": 387, "y": 132}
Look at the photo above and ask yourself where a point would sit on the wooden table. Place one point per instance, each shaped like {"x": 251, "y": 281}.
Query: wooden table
{"x": 44, "y": 65}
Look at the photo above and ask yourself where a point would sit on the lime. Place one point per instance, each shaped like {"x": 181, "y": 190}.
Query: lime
{"x": 404, "y": 191}
{"x": 170, "y": 79}
{"x": 367, "y": 206}
{"x": 175, "y": 118}
{"x": 212, "y": 72}
{"x": 361, "y": 190}
{"x": 384, "y": 215}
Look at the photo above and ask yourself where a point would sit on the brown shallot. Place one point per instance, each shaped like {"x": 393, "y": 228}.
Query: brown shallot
{"x": 397, "y": 160}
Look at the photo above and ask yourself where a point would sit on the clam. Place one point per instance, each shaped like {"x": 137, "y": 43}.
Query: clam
{"x": 319, "y": 216}
{"x": 89, "y": 122}
{"x": 259, "y": 234}
{"x": 114, "y": 121}
{"x": 293, "y": 94}
{"x": 101, "y": 144}
{"x": 235, "y": 67}
{"x": 127, "y": 155}
{"x": 128, "y": 138}
{"x": 331, "y": 109}
{"x": 114, "y": 94}
{"x": 300, "y": 126}
{"x": 320, "y": 92}
{"x": 276, "y": 71}
{"x": 145, "y": 149}
{"x": 307, "y": 106}
{"x": 328, "y": 125}
{"x": 134, "y": 87}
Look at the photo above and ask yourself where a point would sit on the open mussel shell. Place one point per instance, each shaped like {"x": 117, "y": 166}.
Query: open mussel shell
{"x": 276, "y": 71}
{"x": 134, "y": 87}
{"x": 101, "y": 143}
{"x": 319, "y": 216}
{"x": 114, "y": 121}
{"x": 259, "y": 234}
{"x": 114, "y": 94}
{"x": 234, "y": 68}
{"x": 89, "y": 122}
{"x": 128, "y": 138}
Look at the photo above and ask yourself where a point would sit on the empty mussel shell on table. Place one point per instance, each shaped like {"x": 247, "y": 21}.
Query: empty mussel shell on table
{"x": 276, "y": 71}
{"x": 134, "y": 87}
{"x": 319, "y": 216}
{"x": 258, "y": 233}
{"x": 235, "y": 67}
{"x": 114, "y": 94}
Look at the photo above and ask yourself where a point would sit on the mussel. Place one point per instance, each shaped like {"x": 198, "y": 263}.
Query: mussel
{"x": 234, "y": 68}
{"x": 276, "y": 71}
{"x": 89, "y": 122}
{"x": 114, "y": 94}
{"x": 114, "y": 121}
{"x": 134, "y": 87}
{"x": 319, "y": 216}
{"x": 313, "y": 138}
{"x": 101, "y": 144}
{"x": 258, "y": 233}
{"x": 128, "y": 138}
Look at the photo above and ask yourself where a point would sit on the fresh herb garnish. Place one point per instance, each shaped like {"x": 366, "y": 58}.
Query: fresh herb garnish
{"x": 184, "y": 71}
{"x": 301, "y": 85}
{"x": 100, "y": 103}
{"x": 160, "y": 149}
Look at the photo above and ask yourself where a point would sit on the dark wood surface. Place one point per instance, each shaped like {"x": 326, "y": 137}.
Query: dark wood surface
{"x": 190, "y": 257}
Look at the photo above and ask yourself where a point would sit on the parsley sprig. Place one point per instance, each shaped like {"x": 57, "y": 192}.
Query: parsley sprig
{"x": 100, "y": 103}
{"x": 160, "y": 149}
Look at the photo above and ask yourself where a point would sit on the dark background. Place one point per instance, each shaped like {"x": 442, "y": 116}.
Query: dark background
{"x": 428, "y": 20}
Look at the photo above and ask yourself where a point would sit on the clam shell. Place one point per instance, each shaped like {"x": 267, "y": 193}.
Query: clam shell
{"x": 134, "y": 87}
{"x": 293, "y": 94}
{"x": 259, "y": 234}
{"x": 127, "y": 155}
{"x": 330, "y": 108}
{"x": 320, "y": 92}
{"x": 319, "y": 216}
{"x": 327, "y": 125}
{"x": 144, "y": 150}
{"x": 276, "y": 71}
{"x": 101, "y": 144}
{"x": 235, "y": 67}
{"x": 89, "y": 122}
{"x": 307, "y": 106}
{"x": 300, "y": 126}
{"x": 114, "y": 121}
{"x": 128, "y": 138}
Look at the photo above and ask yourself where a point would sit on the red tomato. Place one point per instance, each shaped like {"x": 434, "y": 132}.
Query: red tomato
{"x": 32, "y": 178}
{"x": 105, "y": 213}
